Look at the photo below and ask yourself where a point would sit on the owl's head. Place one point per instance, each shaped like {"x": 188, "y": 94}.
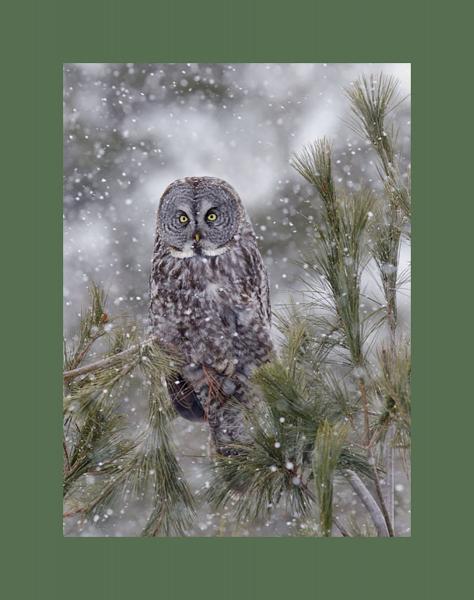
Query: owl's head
{"x": 199, "y": 216}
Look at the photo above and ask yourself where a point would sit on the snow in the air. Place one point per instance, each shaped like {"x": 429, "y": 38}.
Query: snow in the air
{"x": 131, "y": 129}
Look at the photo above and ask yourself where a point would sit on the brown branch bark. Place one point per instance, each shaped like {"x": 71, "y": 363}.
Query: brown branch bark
{"x": 368, "y": 501}
{"x": 105, "y": 362}
{"x": 370, "y": 455}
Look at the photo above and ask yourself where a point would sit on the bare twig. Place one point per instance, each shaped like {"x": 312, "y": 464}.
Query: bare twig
{"x": 341, "y": 527}
{"x": 106, "y": 362}
{"x": 368, "y": 501}
{"x": 390, "y": 474}
{"x": 371, "y": 457}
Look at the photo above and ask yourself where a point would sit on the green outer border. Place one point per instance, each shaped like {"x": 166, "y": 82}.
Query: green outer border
{"x": 43, "y": 35}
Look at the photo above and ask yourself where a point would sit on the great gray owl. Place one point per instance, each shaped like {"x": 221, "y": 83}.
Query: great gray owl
{"x": 210, "y": 303}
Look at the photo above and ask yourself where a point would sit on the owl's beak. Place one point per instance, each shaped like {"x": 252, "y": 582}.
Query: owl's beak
{"x": 197, "y": 236}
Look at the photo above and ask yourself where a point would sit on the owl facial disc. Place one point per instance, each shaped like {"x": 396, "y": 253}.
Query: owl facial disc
{"x": 199, "y": 216}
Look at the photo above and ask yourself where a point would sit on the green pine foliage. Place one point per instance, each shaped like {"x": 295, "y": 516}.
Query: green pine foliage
{"x": 330, "y": 441}
{"x": 96, "y": 440}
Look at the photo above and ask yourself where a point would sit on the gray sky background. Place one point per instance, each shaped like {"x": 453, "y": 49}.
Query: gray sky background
{"x": 132, "y": 129}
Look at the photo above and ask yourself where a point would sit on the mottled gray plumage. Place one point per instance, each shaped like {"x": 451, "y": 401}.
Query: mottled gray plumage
{"x": 210, "y": 302}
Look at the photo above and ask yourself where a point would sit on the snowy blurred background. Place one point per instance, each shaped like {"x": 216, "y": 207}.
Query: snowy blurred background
{"x": 131, "y": 129}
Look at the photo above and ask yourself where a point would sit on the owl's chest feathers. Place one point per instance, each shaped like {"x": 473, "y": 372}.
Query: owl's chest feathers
{"x": 199, "y": 288}
{"x": 212, "y": 308}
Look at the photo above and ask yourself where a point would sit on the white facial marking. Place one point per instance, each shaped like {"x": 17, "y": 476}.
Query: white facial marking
{"x": 215, "y": 251}
{"x": 186, "y": 252}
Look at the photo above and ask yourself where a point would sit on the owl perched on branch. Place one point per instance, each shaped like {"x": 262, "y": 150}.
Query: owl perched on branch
{"x": 210, "y": 303}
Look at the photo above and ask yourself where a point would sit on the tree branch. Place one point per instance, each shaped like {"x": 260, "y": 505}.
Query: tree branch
{"x": 106, "y": 362}
{"x": 368, "y": 501}
{"x": 370, "y": 455}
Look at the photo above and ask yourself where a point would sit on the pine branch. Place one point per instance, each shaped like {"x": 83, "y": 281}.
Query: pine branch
{"x": 393, "y": 387}
{"x": 94, "y": 433}
{"x": 112, "y": 361}
{"x": 338, "y": 254}
{"x": 91, "y": 328}
{"x": 276, "y": 466}
{"x": 368, "y": 501}
{"x": 173, "y": 503}
{"x": 372, "y": 100}
{"x": 329, "y": 444}
{"x": 370, "y": 454}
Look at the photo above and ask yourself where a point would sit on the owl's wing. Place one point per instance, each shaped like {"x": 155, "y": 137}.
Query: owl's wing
{"x": 258, "y": 289}
{"x": 266, "y": 293}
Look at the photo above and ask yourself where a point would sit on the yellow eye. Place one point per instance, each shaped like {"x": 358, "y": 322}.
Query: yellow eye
{"x": 211, "y": 216}
{"x": 183, "y": 219}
